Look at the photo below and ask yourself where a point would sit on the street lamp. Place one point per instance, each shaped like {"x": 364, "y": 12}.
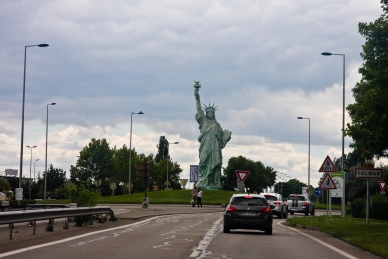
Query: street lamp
{"x": 343, "y": 127}
{"x": 168, "y": 147}
{"x": 130, "y": 152}
{"x": 34, "y": 168}
{"x": 29, "y": 190}
{"x": 308, "y": 169}
{"x": 24, "y": 95}
{"x": 45, "y": 162}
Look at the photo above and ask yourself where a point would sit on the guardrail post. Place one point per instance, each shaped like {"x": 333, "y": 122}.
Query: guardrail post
{"x": 10, "y": 231}
{"x": 34, "y": 228}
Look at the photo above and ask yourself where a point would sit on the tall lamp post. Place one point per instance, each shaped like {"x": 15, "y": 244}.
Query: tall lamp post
{"x": 29, "y": 190}
{"x": 45, "y": 161}
{"x": 343, "y": 127}
{"x": 168, "y": 147}
{"x": 34, "y": 167}
{"x": 130, "y": 152}
{"x": 308, "y": 169}
{"x": 24, "y": 98}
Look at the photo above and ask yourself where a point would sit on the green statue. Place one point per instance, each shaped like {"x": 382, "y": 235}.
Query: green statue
{"x": 212, "y": 139}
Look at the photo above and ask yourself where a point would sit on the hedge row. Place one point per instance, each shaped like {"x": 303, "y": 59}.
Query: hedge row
{"x": 377, "y": 210}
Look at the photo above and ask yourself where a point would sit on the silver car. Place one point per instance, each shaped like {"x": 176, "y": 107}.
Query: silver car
{"x": 277, "y": 205}
{"x": 300, "y": 203}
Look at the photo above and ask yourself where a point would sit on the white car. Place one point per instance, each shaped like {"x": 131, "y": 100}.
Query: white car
{"x": 277, "y": 205}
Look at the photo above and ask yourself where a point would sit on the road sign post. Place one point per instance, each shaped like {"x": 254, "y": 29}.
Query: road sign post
{"x": 328, "y": 167}
{"x": 242, "y": 176}
{"x": 368, "y": 173}
{"x": 143, "y": 171}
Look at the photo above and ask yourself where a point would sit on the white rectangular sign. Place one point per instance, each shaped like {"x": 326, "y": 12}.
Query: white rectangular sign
{"x": 338, "y": 179}
{"x": 18, "y": 194}
{"x": 368, "y": 173}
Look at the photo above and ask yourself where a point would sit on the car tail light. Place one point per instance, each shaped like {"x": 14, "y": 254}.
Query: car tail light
{"x": 265, "y": 210}
{"x": 230, "y": 209}
{"x": 277, "y": 203}
{"x": 304, "y": 203}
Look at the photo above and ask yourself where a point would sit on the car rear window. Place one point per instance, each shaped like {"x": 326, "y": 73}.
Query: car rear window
{"x": 270, "y": 198}
{"x": 252, "y": 201}
{"x": 299, "y": 198}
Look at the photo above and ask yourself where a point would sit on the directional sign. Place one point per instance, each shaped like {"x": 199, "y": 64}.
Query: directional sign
{"x": 382, "y": 185}
{"x": 317, "y": 192}
{"x": 327, "y": 183}
{"x": 327, "y": 166}
{"x": 368, "y": 173}
{"x": 242, "y": 175}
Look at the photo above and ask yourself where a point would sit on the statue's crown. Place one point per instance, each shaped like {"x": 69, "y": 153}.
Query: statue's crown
{"x": 210, "y": 108}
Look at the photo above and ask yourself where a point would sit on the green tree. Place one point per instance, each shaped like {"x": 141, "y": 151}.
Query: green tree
{"x": 162, "y": 149}
{"x": 55, "y": 179}
{"x": 5, "y": 187}
{"x": 95, "y": 162}
{"x": 369, "y": 113}
{"x": 259, "y": 178}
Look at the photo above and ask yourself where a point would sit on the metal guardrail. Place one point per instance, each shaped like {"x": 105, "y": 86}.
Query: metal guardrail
{"x": 10, "y": 217}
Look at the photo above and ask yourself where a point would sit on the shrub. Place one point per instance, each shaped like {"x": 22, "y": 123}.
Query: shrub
{"x": 378, "y": 207}
{"x": 358, "y": 208}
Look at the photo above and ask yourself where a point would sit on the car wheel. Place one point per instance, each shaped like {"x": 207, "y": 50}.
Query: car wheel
{"x": 226, "y": 229}
{"x": 285, "y": 215}
{"x": 268, "y": 231}
{"x": 312, "y": 211}
{"x": 291, "y": 213}
{"x": 306, "y": 212}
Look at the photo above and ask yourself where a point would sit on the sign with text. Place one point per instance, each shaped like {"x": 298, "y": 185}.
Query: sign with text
{"x": 194, "y": 172}
{"x": 338, "y": 179}
{"x": 368, "y": 173}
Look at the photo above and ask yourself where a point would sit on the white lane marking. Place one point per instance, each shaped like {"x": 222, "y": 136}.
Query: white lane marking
{"x": 205, "y": 242}
{"x": 321, "y": 242}
{"x": 75, "y": 237}
{"x": 118, "y": 213}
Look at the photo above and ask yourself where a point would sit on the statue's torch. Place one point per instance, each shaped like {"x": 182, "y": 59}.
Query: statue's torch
{"x": 196, "y": 85}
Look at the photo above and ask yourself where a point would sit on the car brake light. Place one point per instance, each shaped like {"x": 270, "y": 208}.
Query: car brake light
{"x": 248, "y": 197}
{"x": 304, "y": 203}
{"x": 265, "y": 210}
{"x": 230, "y": 209}
{"x": 277, "y": 203}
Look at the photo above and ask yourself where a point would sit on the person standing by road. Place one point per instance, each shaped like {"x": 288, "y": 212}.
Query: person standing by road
{"x": 199, "y": 197}
{"x": 194, "y": 196}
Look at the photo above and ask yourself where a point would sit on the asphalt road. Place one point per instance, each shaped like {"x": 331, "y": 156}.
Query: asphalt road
{"x": 174, "y": 232}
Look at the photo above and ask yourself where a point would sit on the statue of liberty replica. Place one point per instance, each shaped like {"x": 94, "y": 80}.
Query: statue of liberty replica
{"x": 212, "y": 139}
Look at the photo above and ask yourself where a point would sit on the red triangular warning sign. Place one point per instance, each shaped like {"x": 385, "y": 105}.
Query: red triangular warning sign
{"x": 242, "y": 175}
{"x": 382, "y": 185}
{"x": 327, "y": 183}
{"x": 327, "y": 166}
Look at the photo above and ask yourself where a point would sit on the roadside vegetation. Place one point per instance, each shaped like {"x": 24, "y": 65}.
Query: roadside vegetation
{"x": 372, "y": 237}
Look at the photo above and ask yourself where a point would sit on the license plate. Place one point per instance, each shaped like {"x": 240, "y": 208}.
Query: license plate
{"x": 248, "y": 214}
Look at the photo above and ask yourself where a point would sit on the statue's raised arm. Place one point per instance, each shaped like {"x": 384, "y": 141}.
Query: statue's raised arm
{"x": 196, "y": 94}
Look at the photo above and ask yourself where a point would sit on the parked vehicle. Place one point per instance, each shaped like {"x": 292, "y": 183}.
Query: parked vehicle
{"x": 301, "y": 204}
{"x": 277, "y": 205}
{"x": 248, "y": 211}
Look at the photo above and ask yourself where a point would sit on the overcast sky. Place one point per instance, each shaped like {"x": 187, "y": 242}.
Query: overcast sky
{"x": 260, "y": 61}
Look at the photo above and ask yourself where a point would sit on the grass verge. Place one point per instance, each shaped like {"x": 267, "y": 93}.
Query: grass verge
{"x": 372, "y": 237}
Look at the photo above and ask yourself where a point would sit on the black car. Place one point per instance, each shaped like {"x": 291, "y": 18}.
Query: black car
{"x": 248, "y": 211}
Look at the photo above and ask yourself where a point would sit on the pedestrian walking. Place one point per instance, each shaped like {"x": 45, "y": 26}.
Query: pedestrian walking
{"x": 199, "y": 197}
{"x": 193, "y": 196}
